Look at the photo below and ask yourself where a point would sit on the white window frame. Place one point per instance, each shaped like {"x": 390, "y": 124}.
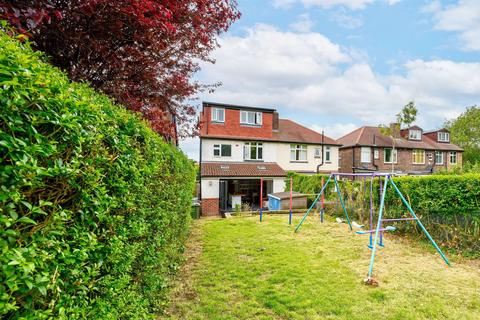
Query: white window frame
{"x": 219, "y": 147}
{"x": 296, "y": 152}
{"x": 437, "y": 153}
{"x": 413, "y": 156}
{"x": 328, "y": 154}
{"x": 376, "y": 153}
{"x": 365, "y": 155}
{"x": 256, "y": 119}
{"x": 443, "y": 137}
{"x": 453, "y": 155}
{"x": 318, "y": 152}
{"x": 247, "y": 151}
{"x": 218, "y": 114}
{"x": 415, "y": 134}
{"x": 394, "y": 155}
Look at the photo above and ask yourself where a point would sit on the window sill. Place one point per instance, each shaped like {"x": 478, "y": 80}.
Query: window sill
{"x": 217, "y": 122}
{"x": 253, "y": 160}
{"x": 250, "y": 125}
{"x": 298, "y": 161}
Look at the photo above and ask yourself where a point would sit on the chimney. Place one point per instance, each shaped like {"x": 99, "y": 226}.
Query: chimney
{"x": 275, "y": 121}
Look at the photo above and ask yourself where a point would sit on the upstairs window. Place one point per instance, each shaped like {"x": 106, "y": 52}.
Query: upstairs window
{"x": 389, "y": 155}
{"x": 328, "y": 154}
{"x": 365, "y": 155}
{"x": 251, "y": 118}
{"x": 418, "y": 156}
{"x": 298, "y": 152}
{"x": 453, "y": 157}
{"x": 415, "y": 134}
{"x": 253, "y": 151}
{"x": 218, "y": 115}
{"x": 222, "y": 150}
{"x": 444, "y": 137}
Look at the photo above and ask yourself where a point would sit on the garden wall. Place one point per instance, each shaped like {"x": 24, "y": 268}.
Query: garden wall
{"x": 94, "y": 206}
{"x": 448, "y": 205}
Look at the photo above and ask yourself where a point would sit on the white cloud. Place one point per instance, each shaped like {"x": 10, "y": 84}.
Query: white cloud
{"x": 304, "y": 24}
{"x": 308, "y": 73}
{"x": 336, "y": 130}
{"x": 345, "y": 20}
{"x": 464, "y": 18}
{"x": 351, "y": 4}
{"x": 191, "y": 147}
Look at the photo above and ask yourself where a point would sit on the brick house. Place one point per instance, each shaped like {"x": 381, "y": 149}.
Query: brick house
{"x": 416, "y": 152}
{"x": 240, "y": 145}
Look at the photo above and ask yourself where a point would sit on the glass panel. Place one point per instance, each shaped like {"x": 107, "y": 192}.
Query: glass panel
{"x": 226, "y": 150}
{"x": 260, "y": 152}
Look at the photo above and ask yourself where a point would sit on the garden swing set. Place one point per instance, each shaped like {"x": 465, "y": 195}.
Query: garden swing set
{"x": 376, "y": 234}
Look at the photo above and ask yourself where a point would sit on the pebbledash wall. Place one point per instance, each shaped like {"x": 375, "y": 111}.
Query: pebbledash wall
{"x": 404, "y": 160}
{"x": 278, "y": 152}
{"x": 211, "y": 188}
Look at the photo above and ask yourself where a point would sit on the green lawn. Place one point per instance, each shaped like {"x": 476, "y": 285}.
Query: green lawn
{"x": 243, "y": 269}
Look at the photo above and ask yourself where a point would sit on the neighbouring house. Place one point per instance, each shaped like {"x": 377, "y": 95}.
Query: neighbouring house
{"x": 366, "y": 149}
{"x": 241, "y": 145}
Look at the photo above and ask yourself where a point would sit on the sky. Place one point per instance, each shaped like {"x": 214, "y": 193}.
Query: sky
{"x": 335, "y": 65}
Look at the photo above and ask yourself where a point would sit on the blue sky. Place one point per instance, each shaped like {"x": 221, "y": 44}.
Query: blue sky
{"x": 335, "y": 65}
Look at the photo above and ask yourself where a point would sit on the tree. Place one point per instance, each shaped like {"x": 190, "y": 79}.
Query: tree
{"x": 406, "y": 117}
{"x": 143, "y": 53}
{"x": 465, "y": 132}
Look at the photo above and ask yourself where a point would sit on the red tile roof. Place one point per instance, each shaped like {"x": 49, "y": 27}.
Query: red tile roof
{"x": 371, "y": 136}
{"x": 244, "y": 169}
{"x": 288, "y": 131}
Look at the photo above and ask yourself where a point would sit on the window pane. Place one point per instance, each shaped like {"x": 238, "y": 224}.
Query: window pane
{"x": 292, "y": 155}
{"x": 260, "y": 152}
{"x": 226, "y": 150}
{"x": 251, "y": 117}
{"x": 259, "y": 118}
{"x": 303, "y": 155}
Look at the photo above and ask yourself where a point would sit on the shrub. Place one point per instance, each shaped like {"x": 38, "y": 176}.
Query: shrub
{"x": 94, "y": 206}
{"x": 448, "y": 205}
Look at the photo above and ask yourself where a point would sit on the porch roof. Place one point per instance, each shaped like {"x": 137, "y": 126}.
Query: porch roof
{"x": 241, "y": 169}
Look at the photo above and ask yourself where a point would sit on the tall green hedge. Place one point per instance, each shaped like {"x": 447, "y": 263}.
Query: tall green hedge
{"x": 94, "y": 206}
{"x": 448, "y": 205}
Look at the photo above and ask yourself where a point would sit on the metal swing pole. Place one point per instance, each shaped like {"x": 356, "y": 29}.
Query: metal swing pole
{"x": 375, "y": 241}
{"x": 371, "y": 212}
{"x": 341, "y": 202}
{"x": 313, "y": 204}
{"x": 419, "y": 222}
{"x": 290, "y": 213}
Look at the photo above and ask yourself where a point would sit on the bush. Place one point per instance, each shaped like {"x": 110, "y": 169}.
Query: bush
{"x": 94, "y": 205}
{"x": 448, "y": 205}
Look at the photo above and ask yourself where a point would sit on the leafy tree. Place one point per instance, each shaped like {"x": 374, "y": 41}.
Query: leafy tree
{"x": 406, "y": 117}
{"x": 465, "y": 132}
{"x": 143, "y": 53}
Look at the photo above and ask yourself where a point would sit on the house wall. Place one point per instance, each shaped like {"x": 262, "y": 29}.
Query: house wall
{"x": 232, "y": 126}
{"x": 272, "y": 152}
{"x": 404, "y": 160}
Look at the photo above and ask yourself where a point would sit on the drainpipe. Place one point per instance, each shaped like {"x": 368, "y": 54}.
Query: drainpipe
{"x": 353, "y": 159}
{"x": 323, "y": 154}
{"x": 375, "y": 147}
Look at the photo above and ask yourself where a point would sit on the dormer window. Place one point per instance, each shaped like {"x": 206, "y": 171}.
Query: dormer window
{"x": 218, "y": 115}
{"x": 251, "y": 118}
{"x": 414, "y": 134}
{"x": 444, "y": 137}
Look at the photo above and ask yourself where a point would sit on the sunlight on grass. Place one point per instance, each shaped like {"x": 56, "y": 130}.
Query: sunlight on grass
{"x": 243, "y": 269}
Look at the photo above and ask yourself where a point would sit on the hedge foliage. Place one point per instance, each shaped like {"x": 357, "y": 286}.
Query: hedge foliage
{"x": 448, "y": 205}
{"x": 94, "y": 206}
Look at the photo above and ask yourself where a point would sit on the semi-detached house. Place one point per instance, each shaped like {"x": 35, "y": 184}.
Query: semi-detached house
{"x": 239, "y": 145}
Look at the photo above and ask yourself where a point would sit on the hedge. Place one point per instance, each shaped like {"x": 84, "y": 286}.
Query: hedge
{"x": 94, "y": 206}
{"x": 448, "y": 205}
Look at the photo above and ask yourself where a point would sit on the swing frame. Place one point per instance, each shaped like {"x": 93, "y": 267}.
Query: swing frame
{"x": 387, "y": 180}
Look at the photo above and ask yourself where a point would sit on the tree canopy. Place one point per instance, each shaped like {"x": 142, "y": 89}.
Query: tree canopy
{"x": 465, "y": 132}
{"x": 143, "y": 53}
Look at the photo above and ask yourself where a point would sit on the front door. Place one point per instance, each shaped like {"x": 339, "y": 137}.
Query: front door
{"x": 223, "y": 196}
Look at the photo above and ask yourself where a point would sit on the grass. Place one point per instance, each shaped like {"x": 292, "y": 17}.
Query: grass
{"x": 243, "y": 269}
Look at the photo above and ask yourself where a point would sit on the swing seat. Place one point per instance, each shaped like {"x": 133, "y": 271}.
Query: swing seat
{"x": 389, "y": 228}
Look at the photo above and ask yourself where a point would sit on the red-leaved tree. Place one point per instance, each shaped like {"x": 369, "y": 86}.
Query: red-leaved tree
{"x": 143, "y": 53}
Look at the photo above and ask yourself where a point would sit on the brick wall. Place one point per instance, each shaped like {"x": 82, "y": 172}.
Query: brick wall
{"x": 210, "y": 207}
{"x": 232, "y": 126}
{"x": 404, "y": 160}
